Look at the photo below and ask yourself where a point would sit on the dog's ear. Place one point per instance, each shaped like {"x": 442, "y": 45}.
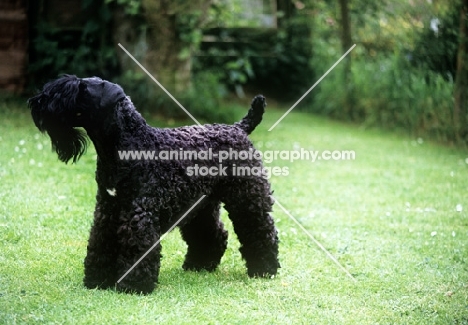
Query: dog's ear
{"x": 57, "y": 97}
{"x": 104, "y": 93}
{"x": 50, "y": 111}
{"x": 111, "y": 94}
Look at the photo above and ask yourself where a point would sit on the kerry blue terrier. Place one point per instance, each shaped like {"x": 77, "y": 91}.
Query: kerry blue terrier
{"x": 138, "y": 200}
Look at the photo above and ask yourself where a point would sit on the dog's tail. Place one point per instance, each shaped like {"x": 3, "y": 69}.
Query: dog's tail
{"x": 254, "y": 115}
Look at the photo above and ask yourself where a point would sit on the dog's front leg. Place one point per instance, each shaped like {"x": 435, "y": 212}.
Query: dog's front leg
{"x": 138, "y": 261}
{"x": 100, "y": 262}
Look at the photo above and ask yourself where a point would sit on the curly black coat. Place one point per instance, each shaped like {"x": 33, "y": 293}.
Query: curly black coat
{"x": 139, "y": 200}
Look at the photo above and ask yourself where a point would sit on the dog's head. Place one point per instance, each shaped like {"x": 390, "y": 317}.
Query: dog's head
{"x": 70, "y": 102}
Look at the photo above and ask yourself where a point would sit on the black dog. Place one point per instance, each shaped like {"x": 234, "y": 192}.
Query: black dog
{"x": 138, "y": 200}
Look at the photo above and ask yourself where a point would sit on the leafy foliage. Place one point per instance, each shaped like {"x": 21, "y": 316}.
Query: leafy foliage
{"x": 272, "y": 60}
{"x": 85, "y": 51}
{"x": 289, "y": 71}
{"x": 436, "y": 46}
{"x": 131, "y": 7}
{"x": 402, "y": 71}
{"x": 205, "y": 98}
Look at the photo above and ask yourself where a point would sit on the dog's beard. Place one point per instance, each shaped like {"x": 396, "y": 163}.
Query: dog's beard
{"x": 68, "y": 142}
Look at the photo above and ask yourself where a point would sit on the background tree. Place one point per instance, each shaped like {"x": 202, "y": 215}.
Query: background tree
{"x": 461, "y": 81}
{"x": 174, "y": 30}
{"x": 346, "y": 43}
{"x": 408, "y": 71}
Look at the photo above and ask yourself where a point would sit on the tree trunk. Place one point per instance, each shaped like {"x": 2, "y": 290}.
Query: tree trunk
{"x": 460, "y": 93}
{"x": 346, "y": 43}
{"x": 126, "y": 31}
{"x": 164, "y": 46}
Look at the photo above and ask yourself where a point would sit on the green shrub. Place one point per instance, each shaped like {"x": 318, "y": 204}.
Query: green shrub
{"x": 136, "y": 85}
{"x": 205, "y": 98}
{"x": 387, "y": 92}
{"x": 87, "y": 51}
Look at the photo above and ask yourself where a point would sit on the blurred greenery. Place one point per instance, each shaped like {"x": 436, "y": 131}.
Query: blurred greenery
{"x": 402, "y": 69}
{"x": 85, "y": 51}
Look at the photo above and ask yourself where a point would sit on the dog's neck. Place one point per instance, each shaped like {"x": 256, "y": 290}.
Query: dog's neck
{"x": 114, "y": 133}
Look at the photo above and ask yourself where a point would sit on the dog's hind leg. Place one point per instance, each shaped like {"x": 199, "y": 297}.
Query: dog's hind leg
{"x": 249, "y": 205}
{"x": 205, "y": 237}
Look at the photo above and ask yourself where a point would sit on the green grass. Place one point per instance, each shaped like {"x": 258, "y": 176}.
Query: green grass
{"x": 389, "y": 217}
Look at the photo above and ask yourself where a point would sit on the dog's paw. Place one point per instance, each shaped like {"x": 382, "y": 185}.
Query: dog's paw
{"x": 210, "y": 267}
{"x": 264, "y": 275}
{"x": 135, "y": 287}
{"x": 98, "y": 284}
{"x": 267, "y": 271}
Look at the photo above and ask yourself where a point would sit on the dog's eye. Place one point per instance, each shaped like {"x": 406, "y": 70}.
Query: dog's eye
{"x": 78, "y": 114}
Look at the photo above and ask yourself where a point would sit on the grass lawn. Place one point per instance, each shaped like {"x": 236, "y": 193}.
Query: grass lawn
{"x": 396, "y": 217}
